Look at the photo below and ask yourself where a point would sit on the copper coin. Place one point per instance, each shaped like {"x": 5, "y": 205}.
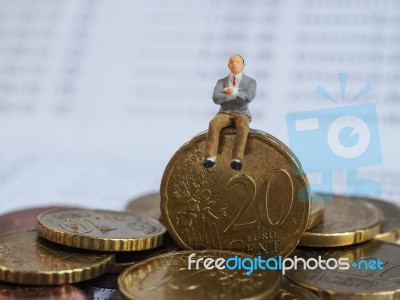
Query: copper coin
{"x": 17, "y": 292}
{"x": 23, "y": 219}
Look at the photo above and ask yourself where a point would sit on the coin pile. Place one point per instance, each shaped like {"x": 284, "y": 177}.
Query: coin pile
{"x": 357, "y": 243}
{"x": 265, "y": 210}
{"x": 73, "y": 246}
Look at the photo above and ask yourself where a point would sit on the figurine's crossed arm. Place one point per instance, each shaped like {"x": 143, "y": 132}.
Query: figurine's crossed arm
{"x": 247, "y": 94}
{"x": 223, "y": 94}
{"x": 219, "y": 95}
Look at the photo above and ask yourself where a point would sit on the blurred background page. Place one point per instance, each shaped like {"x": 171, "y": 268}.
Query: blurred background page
{"x": 96, "y": 96}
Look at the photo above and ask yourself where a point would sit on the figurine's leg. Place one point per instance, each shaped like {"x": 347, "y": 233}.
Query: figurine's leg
{"x": 242, "y": 130}
{"x": 216, "y": 124}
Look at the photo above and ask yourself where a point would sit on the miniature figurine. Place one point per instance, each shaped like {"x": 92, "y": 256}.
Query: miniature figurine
{"x": 233, "y": 93}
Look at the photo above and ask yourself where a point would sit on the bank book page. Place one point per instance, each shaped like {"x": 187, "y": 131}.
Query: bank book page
{"x": 96, "y": 96}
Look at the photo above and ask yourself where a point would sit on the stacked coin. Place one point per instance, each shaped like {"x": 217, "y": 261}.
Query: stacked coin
{"x": 100, "y": 230}
{"x": 347, "y": 259}
{"x": 365, "y": 271}
{"x": 143, "y": 279}
{"x": 72, "y": 246}
{"x": 346, "y": 221}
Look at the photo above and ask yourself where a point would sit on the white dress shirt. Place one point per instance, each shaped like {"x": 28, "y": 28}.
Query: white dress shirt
{"x": 236, "y": 87}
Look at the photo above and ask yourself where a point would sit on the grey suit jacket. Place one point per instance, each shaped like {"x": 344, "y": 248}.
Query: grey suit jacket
{"x": 247, "y": 92}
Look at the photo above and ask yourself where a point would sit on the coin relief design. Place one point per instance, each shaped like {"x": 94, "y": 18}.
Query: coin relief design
{"x": 346, "y": 221}
{"x": 25, "y": 258}
{"x": 256, "y": 210}
{"x": 85, "y": 222}
{"x": 167, "y": 277}
{"x": 348, "y": 215}
{"x": 101, "y": 230}
{"x": 356, "y": 282}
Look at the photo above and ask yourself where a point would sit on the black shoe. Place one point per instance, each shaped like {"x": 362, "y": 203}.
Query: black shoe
{"x": 236, "y": 165}
{"x": 208, "y": 163}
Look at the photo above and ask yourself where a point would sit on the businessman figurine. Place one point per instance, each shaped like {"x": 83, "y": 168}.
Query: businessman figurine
{"x": 233, "y": 93}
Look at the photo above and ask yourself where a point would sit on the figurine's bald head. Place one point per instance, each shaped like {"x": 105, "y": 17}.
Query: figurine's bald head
{"x": 236, "y": 64}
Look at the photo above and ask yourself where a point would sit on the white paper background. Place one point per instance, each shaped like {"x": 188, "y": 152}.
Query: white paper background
{"x": 96, "y": 96}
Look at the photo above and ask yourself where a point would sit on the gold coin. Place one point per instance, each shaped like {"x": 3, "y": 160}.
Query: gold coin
{"x": 148, "y": 205}
{"x": 391, "y": 220}
{"x": 100, "y": 230}
{"x": 373, "y": 271}
{"x": 168, "y": 277}
{"x": 317, "y": 211}
{"x": 18, "y": 292}
{"x": 261, "y": 209}
{"x": 25, "y": 258}
{"x": 346, "y": 221}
